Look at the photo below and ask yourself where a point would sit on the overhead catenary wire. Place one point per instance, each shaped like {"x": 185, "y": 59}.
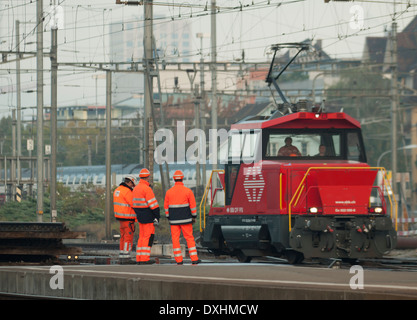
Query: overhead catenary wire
{"x": 288, "y": 34}
{"x": 244, "y": 44}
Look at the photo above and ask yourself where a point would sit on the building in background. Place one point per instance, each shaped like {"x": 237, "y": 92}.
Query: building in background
{"x": 172, "y": 42}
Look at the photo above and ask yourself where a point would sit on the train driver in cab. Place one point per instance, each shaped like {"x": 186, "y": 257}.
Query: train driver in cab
{"x": 322, "y": 151}
{"x": 289, "y": 150}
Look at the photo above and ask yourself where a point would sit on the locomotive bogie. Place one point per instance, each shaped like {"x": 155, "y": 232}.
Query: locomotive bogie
{"x": 253, "y": 236}
{"x": 346, "y": 237}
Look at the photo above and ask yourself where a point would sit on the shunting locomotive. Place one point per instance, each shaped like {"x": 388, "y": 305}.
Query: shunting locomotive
{"x": 297, "y": 185}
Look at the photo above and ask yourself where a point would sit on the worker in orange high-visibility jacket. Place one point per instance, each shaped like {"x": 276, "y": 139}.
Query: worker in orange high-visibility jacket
{"x": 181, "y": 210}
{"x": 147, "y": 213}
{"x": 124, "y": 213}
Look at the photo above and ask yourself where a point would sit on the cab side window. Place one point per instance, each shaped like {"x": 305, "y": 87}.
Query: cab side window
{"x": 353, "y": 146}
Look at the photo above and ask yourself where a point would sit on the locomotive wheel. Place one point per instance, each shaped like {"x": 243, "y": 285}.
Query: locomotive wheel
{"x": 294, "y": 257}
{"x": 241, "y": 257}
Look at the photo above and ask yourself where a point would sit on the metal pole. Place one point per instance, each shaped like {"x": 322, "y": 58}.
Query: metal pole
{"x": 54, "y": 105}
{"x": 109, "y": 198}
{"x": 197, "y": 126}
{"x": 214, "y": 77}
{"x": 147, "y": 42}
{"x": 394, "y": 106}
{"x": 202, "y": 105}
{"x": 39, "y": 104}
{"x": 19, "y": 104}
{"x": 5, "y": 178}
{"x": 191, "y": 73}
{"x": 13, "y": 161}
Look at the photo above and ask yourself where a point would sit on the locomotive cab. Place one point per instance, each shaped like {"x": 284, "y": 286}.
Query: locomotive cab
{"x": 298, "y": 186}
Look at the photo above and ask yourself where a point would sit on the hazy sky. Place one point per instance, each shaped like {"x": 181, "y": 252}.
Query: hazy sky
{"x": 251, "y": 26}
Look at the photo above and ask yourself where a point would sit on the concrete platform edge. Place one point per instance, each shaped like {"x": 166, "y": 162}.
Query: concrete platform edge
{"x": 37, "y": 284}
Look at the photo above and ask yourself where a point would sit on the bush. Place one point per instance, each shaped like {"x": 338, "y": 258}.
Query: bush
{"x": 24, "y": 211}
{"x": 85, "y": 206}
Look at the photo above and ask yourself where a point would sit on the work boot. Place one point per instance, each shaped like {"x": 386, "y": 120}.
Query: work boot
{"x": 147, "y": 262}
{"x": 196, "y": 261}
{"x": 180, "y": 263}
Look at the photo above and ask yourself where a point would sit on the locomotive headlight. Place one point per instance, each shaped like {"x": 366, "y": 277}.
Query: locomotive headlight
{"x": 378, "y": 210}
{"x": 313, "y": 210}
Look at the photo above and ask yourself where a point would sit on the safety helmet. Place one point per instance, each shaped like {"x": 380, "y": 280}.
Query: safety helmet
{"x": 144, "y": 173}
{"x": 178, "y": 175}
{"x": 131, "y": 177}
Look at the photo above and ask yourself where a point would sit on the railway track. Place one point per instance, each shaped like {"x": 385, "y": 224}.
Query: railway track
{"x": 29, "y": 242}
{"x": 392, "y": 264}
{"x": 399, "y": 263}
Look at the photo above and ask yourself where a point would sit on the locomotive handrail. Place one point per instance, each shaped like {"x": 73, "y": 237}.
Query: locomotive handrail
{"x": 280, "y": 191}
{"x": 300, "y": 187}
{"x": 389, "y": 198}
{"x": 204, "y": 199}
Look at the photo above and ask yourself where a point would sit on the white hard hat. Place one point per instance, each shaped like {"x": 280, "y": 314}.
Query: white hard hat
{"x": 131, "y": 178}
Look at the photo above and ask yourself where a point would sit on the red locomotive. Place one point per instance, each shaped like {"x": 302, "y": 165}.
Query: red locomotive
{"x": 320, "y": 199}
{"x": 297, "y": 185}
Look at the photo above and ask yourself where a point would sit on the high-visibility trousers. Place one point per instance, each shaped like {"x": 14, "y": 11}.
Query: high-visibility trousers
{"x": 146, "y": 235}
{"x": 127, "y": 231}
{"x": 187, "y": 231}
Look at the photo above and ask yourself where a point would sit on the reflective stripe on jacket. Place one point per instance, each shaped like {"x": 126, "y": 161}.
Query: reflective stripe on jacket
{"x": 122, "y": 202}
{"x": 144, "y": 203}
{"x": 180, "y": 206}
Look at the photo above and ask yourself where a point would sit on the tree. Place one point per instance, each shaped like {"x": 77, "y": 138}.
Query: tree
{"x": 77, "y": 143}
{"x": 5, "y": 135}
{"x": 364, "y": 94}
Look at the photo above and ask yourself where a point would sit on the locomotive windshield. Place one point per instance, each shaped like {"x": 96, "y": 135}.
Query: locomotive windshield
{"x": 244, "y": 145}
{"x": 314, "y": 144}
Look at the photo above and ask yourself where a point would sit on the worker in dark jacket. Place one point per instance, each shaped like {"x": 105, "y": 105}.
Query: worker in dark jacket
{"x": 181, "y": 210}
{"x": 147, "y": 213}
{"x": 124, "y": 213}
